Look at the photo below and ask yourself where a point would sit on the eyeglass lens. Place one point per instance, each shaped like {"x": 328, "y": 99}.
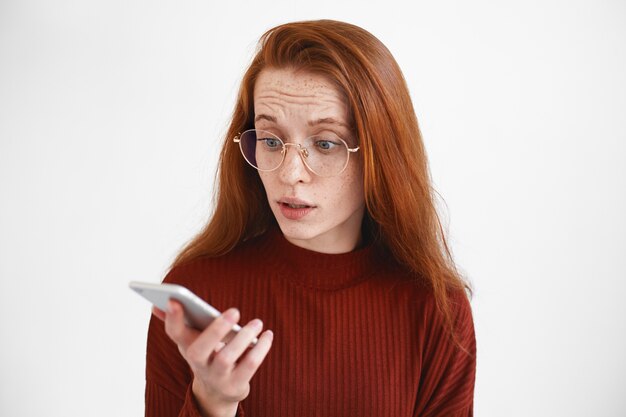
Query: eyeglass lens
{"x": 325, "y": 155}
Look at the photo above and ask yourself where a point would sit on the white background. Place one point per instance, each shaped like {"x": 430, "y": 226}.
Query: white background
{"x": 111, "y": 116}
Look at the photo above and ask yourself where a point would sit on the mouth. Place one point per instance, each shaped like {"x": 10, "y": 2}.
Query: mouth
{"x": 293, "y": 209}
{"x": 293, "y": 203}
{"x": 296, "y": 206}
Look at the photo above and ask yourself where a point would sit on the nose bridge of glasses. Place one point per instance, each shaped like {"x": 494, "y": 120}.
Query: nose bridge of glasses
{"x": 301, "y": 149}
{"x": 300, "y": 161}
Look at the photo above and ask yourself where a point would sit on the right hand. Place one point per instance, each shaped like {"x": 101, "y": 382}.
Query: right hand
{"x": 222, "y": 372}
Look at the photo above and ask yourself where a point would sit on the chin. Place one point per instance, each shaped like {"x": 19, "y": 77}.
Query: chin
{"x": 297, "y": 231}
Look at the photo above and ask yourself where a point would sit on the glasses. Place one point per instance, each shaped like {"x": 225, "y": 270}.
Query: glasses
{"x": 325, "y": 156}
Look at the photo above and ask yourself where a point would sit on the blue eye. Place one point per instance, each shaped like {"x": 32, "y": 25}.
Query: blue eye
{"x": 325, "y": 145}
{"x": 270, "y": 143}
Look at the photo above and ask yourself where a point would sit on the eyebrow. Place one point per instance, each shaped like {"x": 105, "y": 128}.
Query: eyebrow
{"x": 327, "y": 121}
{"x": 323, "y": 121}
{"x": 264, "y": 117}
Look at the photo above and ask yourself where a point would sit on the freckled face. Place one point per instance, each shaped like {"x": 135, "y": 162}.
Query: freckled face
{"x": 323, "y": 214}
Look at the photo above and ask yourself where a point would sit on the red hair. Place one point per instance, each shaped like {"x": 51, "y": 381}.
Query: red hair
{"x": 400, "y": 200}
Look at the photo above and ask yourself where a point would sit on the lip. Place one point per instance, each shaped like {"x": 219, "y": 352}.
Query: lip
{"x": 294, "y": 213}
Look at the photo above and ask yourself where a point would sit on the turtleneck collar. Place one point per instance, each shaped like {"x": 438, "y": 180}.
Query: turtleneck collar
{"x": 320, "y": 270}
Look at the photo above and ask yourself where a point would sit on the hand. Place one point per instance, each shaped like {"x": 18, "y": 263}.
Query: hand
{"x": 222, "y": 372}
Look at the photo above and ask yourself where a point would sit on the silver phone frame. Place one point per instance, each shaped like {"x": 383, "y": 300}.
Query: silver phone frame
{"x": 198, "y": 313}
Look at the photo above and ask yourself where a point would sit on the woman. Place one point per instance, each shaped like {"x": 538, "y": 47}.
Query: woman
{"x": 325, "y": 228}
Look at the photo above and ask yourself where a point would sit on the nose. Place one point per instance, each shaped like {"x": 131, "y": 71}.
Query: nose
{"x": 293, "y": 169}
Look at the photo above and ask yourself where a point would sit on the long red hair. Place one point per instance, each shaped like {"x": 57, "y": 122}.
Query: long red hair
{"x": 400, "y": 200}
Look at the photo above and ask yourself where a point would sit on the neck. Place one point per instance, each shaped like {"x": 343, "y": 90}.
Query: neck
{"x": 329, "y": 244}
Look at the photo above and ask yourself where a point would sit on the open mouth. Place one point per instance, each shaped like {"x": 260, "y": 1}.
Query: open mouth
{"x": 293, "y": 209}
{"x": 296, "y": 206}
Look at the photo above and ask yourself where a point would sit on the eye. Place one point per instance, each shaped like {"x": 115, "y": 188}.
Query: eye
{"x": 326, "y": 145}
{"x": 270, "y": 143}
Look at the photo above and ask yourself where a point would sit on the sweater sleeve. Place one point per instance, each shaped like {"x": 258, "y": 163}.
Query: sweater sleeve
{"x": 160, "y": 403}
{"x": 448, "y": 366}
{"x": 168, "y": 376}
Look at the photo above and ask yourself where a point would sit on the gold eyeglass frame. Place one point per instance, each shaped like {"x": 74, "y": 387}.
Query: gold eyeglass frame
{"x": 302, "y": 151}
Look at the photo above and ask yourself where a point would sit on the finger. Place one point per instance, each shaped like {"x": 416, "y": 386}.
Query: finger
{"x": 158, "y": 313}
{"x": 248, "y": 365}
{"x": 242, "y": 340}
{"x": 205, "y": 344}
{"x": 175, "y": 326}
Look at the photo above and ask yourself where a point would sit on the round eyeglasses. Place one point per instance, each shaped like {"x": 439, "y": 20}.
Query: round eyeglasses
{"x": 324, "y": 155}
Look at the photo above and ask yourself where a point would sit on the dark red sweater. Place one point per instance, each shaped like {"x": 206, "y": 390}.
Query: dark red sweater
{"x": 354, "y": 335}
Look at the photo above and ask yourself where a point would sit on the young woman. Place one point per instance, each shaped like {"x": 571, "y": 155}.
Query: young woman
{"x": 325, "y": 228}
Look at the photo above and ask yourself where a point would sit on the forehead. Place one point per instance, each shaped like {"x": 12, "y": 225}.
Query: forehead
{"x": 282, "y": 90}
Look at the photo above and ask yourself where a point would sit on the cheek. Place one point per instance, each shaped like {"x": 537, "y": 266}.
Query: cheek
{"x": 357, "y": 196}
{"x": 266, "y": 180}
{"x": 349, "y": 191}
{"x": 356, "y": 184}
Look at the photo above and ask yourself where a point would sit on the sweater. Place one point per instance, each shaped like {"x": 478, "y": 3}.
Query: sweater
{"x": 355, "y": 334}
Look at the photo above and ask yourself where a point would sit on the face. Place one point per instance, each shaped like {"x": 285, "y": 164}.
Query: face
{"x": 323, "y": 214}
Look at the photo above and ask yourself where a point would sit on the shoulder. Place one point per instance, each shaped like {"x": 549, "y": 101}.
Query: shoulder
{"x": 203, "y": 270}
{"x": 457, "y": 303}
{"x": 427, "y": 314}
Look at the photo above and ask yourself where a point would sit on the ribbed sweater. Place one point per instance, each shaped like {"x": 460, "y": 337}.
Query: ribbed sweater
{"x": 355, "y": 334}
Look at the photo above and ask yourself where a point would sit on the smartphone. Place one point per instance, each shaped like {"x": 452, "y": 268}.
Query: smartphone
{"x": 198, "y": 313}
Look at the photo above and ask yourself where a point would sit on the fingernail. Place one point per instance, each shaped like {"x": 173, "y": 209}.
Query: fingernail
{"x": 257, "y": 324}
{"x": 270, "y": 335}
{"x": 232, "y": 315}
